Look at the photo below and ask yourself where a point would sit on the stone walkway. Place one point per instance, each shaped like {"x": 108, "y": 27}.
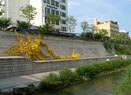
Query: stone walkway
{"x": 8, "y": 84}
{"x": 22, "y": 81}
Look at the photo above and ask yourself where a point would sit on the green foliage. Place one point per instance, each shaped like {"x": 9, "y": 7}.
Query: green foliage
{"x": 102, "y": 33}
{"x": 71, "y": 22}
{"x": 87, "y": 36}
{"x": 100, "y": 36}
{"x": 122, "y": 49}
{"x": 4, "y": 23}
{"x": 93, "y": 70}
{"x": 108, "y": 46}
{"x": 67, "y": 76}
{"x": 28, "y": 12}
{"x": 121, "y": 44}
{"x": 1, "y": 7}
{"x": 52, "y": 81}
{"x": 53, "y": 19}
{"x": 124, "y": 88}
{"x": 45, "y": 29}
{"x": 85, "y": 26}
{"x": 119, "y": 48}
{"x": 84, "y": 72}
{"x": 23, "y": 24}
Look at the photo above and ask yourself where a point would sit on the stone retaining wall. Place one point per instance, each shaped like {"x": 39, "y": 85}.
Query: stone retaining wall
{"x": 18, "y": 66}
{"x": 59, "y": 45}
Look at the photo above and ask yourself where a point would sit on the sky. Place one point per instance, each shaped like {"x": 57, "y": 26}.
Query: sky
{"x": 103, "y": 10}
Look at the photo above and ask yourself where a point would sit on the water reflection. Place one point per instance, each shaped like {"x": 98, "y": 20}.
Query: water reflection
{"x": 99, "y": 86}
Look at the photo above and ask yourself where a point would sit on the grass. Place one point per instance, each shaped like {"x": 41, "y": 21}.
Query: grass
{"x": 85, "y": 72}
{"x": 124, "y": 87}
{"x": 94, "y": 70}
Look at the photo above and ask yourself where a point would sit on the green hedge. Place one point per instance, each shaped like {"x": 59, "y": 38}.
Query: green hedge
{"x": 124, "y": 87}
{"x": 84, "y": 72}
{"x": 93, "y": 70}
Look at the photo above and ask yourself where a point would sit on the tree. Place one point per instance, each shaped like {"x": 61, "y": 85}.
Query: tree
{"x": 45, "y": 29}
{"x": 4, "y": 23}
{"x": 123, "y": 37}
{"x": 85, "y": 26}
{"x": 93, "y": 29}
{"x": 28, "y": 12}
{"x": 23, "y": 25}
{"x": 71, "y": 22}
{"x": 1, "y": 7}
{"x": 103, "y": 33}
{"x": 53, "y": 19}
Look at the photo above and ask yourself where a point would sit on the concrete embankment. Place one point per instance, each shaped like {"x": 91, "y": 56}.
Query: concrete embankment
{"x": 19, "y": 72}
{"x": 59, "y": 45}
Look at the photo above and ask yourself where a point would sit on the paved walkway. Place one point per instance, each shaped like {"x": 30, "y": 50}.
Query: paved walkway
{"x": 8, "y": 84}
{"x": 22, "y": 81}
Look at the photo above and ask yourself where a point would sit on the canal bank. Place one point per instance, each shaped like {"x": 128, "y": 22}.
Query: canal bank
{"x": 104, "y": 85}
{"x": 20, "y": 82}
{"x": 16, "y": 71}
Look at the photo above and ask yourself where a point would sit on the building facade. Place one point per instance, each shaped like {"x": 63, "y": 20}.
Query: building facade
{"x": 43, "y": 8}
{"x": 111, "y": 27}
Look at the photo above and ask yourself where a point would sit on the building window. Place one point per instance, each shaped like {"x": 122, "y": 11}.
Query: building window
{"x": 48, "y": 1}
{"x": 57, "y": 12}
{"x": 52, "y": 2}
{"x": 57, "y": 22}
{"x": 53, "y": 12}
{"x": 63, "y": 14}
{"x": 63, "y": 1}
{"x": 44, "y": 1}
{"x": 47, "y": 11}
{"x": 63, "y": 21}
{"x": 57, "y": 4}
{"x": 63, "y": 7}
{"x": 46, "y": 20}
{"x": 63, "y": 28}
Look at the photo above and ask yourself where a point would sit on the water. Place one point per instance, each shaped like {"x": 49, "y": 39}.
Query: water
{"x": 100, "y": 86}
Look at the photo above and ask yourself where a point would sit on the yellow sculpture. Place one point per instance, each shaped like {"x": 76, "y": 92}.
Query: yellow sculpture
{"x": 31, "y": 49}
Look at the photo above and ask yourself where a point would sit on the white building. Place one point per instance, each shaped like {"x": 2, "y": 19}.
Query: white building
{"x": 43, "y": 7}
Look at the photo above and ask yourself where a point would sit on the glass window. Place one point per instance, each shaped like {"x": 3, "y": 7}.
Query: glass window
{"x": 57, "y": 12}
{"x": 44, "y": 1}
{"x": 63, "y": 1}
{"x": 57, "y": 4}
{"x": 63, "y": 14}
{"x": 53, "y": 12}
{"x": 63, "y": 21}
{"x": 63, "y": 28}
{"x": 52, "y": 2}
{"x": 47, "y": 11}
{"x": 48, "y": 1}
{"x": 63, "y": 7}
{"x": 57, "y": 22}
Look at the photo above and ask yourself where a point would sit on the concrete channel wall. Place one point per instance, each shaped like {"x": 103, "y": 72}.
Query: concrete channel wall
{"x": 60, "y": 46}
{"x": 18, "y": 66}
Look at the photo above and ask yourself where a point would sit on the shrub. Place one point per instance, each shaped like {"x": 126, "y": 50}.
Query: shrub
{"x": 52, "y": 81}
{"x": 84, "y": 72}
{"x": 23, "y": 25}
{"x": 125, "y": 86}
{"x": 93, "y": 70}
{"x": 67, "y": 76}
{"x": 4, "y": 23}
{"x": 45, "y": 29}
{"x": 88, "y": 71}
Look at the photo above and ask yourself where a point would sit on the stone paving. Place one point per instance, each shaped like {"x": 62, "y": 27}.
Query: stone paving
{"x": 8, "y": 84}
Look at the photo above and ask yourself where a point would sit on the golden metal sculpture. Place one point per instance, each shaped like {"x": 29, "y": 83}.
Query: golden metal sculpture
{"x": 31, "y": 49}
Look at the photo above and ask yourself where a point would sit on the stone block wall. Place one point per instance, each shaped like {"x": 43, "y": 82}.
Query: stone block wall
{"x": 18, "y": 66}
{"x": 60, "y": 46}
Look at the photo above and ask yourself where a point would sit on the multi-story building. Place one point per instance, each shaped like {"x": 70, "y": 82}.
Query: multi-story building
{"x": 43, "y": 8}
{"x": 111, "y": 27}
